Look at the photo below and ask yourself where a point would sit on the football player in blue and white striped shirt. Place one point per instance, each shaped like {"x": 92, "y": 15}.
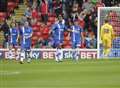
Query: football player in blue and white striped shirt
{"x": 26, "y": 34}
{"x": 13, "y": 39}
{"x": 76, "y": 34}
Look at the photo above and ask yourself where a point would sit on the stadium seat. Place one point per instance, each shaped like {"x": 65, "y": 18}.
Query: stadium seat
{"x": 2, "y": 16}
{"x": 38, "y": 24}
{"x": 11, "y": 6}
{"x": 82, "y": 23}
{"x": 49, "y": 24}
{"x": 34, "y": 38}
{"x": 38, "y": 34}
{"x": 51, "y": 15}
{"x": 51, "y": 19}
{"x": 35, "y": 28}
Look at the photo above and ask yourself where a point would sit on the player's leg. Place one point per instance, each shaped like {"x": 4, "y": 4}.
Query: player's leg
{"x": 15, "y": 48}
{"x": 109, "y": 46}
{"x": 75, "y": 53}
{"x": 22, "y": 54}
{"x": 61, "y": 51}
{"x": 10, "y": 51}
{"x": 28, "y": 54}
{"x": 57, "y": 51}
{"x": 57, "y": 55}
{"x": 78, "y": 44}
{"x": 104, "y": 47}
{"x": 61, "y": 55}
{"x": 73, "y": 50}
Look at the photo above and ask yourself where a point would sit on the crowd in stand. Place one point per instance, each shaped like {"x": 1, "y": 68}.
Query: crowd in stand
{"x": 42, "y": 14}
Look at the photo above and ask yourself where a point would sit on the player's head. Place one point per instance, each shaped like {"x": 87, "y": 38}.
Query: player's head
{"x": 60, "y": 18}
{"x": 75, "y": 22}
{"x": 26, "y": 24}
{"x": 106, "y": 20}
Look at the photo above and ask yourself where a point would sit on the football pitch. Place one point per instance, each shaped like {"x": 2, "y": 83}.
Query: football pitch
{"x": 67, "y": 74}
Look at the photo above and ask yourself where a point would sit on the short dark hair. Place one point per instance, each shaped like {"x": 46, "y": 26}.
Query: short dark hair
{"x": 106, "y": 20}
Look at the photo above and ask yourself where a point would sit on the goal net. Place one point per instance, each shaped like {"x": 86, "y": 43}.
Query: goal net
{"x": 113, "y": 16}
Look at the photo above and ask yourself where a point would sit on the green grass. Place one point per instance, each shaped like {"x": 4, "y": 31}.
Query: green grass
{"x": 68, "y": 74}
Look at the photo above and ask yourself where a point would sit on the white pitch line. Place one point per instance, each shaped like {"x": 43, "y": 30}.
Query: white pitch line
{"x": 9, "y": 73}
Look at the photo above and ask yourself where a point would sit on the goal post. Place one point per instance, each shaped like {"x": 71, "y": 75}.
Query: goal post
{"x": 113, "y": 16}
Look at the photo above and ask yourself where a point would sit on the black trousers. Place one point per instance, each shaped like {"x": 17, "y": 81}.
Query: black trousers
{"x": 44, "y": 18}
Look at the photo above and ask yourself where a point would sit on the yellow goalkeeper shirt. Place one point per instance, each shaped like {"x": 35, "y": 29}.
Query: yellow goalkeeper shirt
{"x": 107, "y": 31}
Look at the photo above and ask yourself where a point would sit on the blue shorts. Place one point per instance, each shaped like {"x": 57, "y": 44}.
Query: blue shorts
{"x": 57, "y": 43}
{"x": 14, "y": 44}
{"x": 76, "y": 44}
{"x": 25, "y": 47}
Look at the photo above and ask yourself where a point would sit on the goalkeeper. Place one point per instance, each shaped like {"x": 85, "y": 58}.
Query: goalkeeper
{"x": 107, "y": 35}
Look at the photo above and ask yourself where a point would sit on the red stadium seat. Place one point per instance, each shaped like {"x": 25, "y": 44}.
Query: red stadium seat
{"x": 2, "y": 16}
{"x": 11, "y": 6}
{"x": 38, "y": 24}
{"x": 38, "y": 34}
{"x": 49, "y": 24}
{"x": 51, "y": 14}
{"x": 51, "y": 19}
{"x": 35, "y": 38}
{"x": 35, "y": 28}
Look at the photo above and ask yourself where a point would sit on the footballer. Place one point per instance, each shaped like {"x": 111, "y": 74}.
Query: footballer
{"x": 26, "y": 34}
{"x": 13, "y": 40}
{"x": 107, "y": 35}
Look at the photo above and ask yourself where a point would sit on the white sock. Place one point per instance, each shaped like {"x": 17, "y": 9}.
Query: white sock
{"x": 56, "y": 56}
{"x": 22, "y": 56}
{"x": 29, "y": 60}
{"x": 61, "y": 55}
{"x": 10, "y": 54}
{"x": 76, "y": 55}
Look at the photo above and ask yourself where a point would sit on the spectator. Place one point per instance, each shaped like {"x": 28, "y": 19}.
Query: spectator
{"x": 87, "y": 5}
{"x": 68, "y": 4}
{"x": 57, "y": 5}
{"x": 34, "y": 13}
{"x": 44, "y": 11}
{"x": 74, "y": 13}
{"x": 88, "y": 41}
{"x": 34, "y": 5}
{"x": 50, "y": 4}
{"x": 23, "y": 19}
{"x": 100, "y": 4}
{"x": 93, "y": 42}
{"x": 5, "y": 28}
{"x": 45, "y": 34}
{"x": 28, "y": 12}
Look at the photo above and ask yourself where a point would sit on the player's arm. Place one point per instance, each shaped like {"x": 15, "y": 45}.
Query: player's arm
{"x": 101, "y": 33}
{"x": 53, "y": 28}
{"x": 30, "y": 35}
{"x": 82, "y": 35}
{"x": 70, "y": 29}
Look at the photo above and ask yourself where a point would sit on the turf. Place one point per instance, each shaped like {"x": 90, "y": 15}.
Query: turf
{"x": 67, "y": 74}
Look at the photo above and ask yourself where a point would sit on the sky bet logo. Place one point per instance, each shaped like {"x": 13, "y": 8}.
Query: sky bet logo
{"x": 11, "y": 55}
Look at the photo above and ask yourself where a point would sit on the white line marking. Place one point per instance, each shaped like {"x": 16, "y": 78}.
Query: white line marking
{"x": 9, "y": 73}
